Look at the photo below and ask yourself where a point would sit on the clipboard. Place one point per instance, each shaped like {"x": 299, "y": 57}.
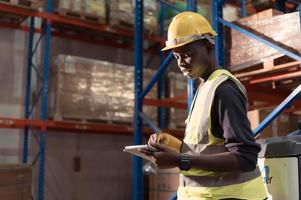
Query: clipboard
{"x": 134, "y": 149}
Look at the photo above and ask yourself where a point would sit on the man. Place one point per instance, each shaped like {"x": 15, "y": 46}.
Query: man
{"x": 218, "y": 156}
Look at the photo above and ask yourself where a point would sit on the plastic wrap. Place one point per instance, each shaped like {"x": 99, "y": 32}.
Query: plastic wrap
{"x": 123, "y": 11}
{"x": 33, "y": 4}
{"x": 245, "y": 52}
{"x": 177, "y": 86}
{"x": 87, "y": 89}
{"x": 95, "y": 8}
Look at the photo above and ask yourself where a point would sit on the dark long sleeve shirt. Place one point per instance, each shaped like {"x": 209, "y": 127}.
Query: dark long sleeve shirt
{"x": 230, "y": 122}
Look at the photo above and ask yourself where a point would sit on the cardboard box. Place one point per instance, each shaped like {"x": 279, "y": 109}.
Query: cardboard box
{"x": 16, "y": 192}
{"x": 15, "y": 182}
{"x": 94, "y": 90}
{"x": 243, "y": 52}
{"x": 282, "y": 125}
{"x": 163, "y": 184}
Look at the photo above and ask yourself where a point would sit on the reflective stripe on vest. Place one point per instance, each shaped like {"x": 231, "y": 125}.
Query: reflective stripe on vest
{"x": 218, "y": 181}
{"x": 199, "y": 140}
{"x": 250, "y": 190}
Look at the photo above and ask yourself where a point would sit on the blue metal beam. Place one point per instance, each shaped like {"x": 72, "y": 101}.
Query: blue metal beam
{"x": 171, "y": 6}
{"x": 35, "y": 102}
{"x": 252, "y": 35}
{"x": 173, "y": 197}
{"x": 44, "y": 102}
{"x": 28, "y": 89}
{"x": 217, "y": 12}
{"x": 37, "y": 71}
{"x": 243, "y": 8}
{"x": 299, "y": 8}
{"x": 37, "y": 44}
{"x": 138, "y": 136}
{"x": 157, "y": 75}
{"x": 150, "y": 124}
{"x": 191, "y": 6}
{"x": 162, "y": 80}
{"x": 285, "y": 104}
{"x": 43, "y": 114}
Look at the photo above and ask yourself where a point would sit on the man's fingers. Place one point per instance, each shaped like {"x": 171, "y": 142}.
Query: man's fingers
{"x": 157, "y": 146}
{"x": 153, "y": 138}
{"x": 146, "y": 152}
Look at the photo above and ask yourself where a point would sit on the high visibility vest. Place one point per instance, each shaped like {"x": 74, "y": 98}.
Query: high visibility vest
{"x": 197, "y": 184}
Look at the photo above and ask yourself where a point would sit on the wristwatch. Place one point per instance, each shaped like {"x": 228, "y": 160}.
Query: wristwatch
{"x": 184, "y": 163}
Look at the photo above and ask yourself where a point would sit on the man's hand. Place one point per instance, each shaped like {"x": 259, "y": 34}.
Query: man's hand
{"x": 166, "y": 139}
{"x": 165, "y": 157}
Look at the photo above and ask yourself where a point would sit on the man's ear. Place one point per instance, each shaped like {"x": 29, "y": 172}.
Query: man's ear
{"x": 209, "y": 47}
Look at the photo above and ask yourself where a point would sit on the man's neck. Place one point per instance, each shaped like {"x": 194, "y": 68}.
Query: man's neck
{"x": 212, "y": 66}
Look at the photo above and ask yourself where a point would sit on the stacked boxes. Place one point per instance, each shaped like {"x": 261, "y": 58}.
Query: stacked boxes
{"x": 163, "y": 184}
{"x": 122, "y": 12}
{"x": 95, "y": 8}
{"x": 87, "y": 89}
{"x": 15, "y": 182}
{"x": 281, "y": 126}
{"x": 245, "y": 52}
{"x": 33, "y": 4}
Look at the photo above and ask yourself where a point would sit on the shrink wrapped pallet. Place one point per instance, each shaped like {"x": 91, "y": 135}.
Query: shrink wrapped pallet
{"x": 95, "y": 7}
{"x": 87, "y": 89}
{"x": 32, "y": 4}
{"x": 95, "y": 10}
{"x": 122, "y": 14}
{"x": 282, "y": 29}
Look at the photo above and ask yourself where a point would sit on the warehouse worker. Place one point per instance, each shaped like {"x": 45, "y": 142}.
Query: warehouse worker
{"x": 218, "y": 156}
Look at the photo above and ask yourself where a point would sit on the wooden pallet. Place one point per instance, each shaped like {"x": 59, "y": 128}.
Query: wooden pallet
{"x": 24, "y": 3}
{"x": 268, "y": 65}
{"x": 89, "y": 120}
{"x": 12, "y": 18}
{"x": 121, "y": 24}
{"x": 81, "y": 16}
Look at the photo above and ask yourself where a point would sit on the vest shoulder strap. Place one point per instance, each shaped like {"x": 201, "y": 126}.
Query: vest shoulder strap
{"x": 220, "y": 72}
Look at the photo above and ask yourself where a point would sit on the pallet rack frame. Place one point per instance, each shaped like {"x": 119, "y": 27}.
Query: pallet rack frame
{"x": 43, "y": 124}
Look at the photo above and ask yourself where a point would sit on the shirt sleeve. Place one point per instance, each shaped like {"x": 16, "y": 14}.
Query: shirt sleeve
{"x": 229, "y": 121}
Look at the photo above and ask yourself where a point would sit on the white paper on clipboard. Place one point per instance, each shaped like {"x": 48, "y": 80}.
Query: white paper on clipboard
{"x": 134, "y": 149}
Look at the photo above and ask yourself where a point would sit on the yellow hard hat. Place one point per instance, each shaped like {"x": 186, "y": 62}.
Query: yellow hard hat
{"x": 187, "y": 27}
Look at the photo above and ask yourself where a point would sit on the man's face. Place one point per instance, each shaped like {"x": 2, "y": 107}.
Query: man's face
{"x": 192, "y": 59}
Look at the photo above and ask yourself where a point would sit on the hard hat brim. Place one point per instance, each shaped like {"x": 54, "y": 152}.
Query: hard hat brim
{"x": 174, "y": 46}
{"x": 168, "y": 47}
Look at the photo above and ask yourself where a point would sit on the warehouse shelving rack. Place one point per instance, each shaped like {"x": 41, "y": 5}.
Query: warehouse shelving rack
{"x": 43, "y": 124}
{"x": 219, "y": 22}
